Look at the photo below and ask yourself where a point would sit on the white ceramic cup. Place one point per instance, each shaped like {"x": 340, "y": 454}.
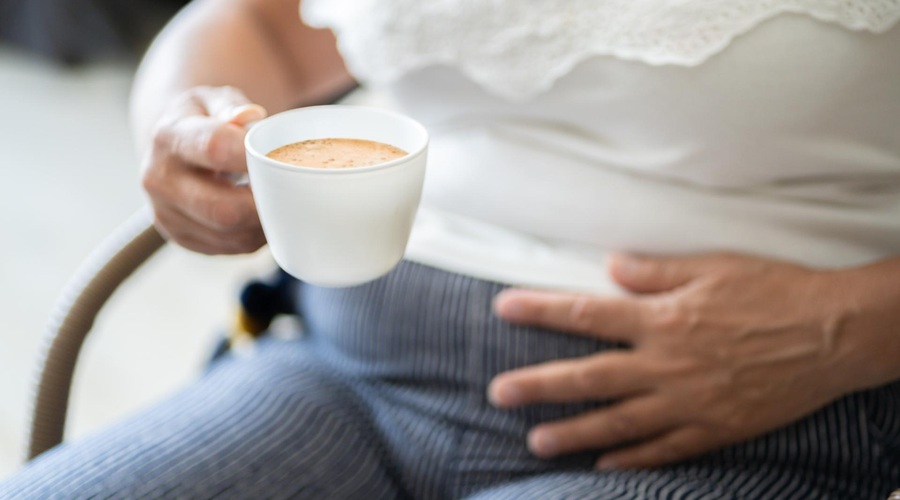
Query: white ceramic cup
{"x": 337, "y": 227}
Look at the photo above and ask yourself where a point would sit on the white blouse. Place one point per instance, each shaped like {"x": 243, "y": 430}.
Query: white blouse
{"x": 562, "y": 130}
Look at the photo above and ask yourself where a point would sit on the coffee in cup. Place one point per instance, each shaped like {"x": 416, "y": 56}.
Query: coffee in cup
{"x": 337, "y": 226}
{"x": 336, "y": 153}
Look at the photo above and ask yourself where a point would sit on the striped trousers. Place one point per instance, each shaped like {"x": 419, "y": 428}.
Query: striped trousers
{"x": 383, "y": 396}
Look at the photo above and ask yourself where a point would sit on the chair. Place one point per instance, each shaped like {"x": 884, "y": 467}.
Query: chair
{"x": 94, "y": 282}
{"x": 114, "y": 260}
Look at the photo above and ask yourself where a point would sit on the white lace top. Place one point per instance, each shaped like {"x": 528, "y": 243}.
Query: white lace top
{"x": 563, "y": 129}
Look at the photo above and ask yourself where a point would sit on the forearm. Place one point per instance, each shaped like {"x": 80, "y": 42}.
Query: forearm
{"x": 866, "y": 301}
{"x": 256, "y": 46}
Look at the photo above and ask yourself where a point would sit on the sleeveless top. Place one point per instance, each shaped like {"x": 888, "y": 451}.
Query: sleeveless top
{"x": 562, "y": 130}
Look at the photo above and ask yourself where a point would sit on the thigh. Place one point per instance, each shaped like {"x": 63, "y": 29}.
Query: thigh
{"x": 275, "y": 424}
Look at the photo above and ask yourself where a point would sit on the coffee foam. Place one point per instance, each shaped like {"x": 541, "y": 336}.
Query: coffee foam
{"x": 336, "y": 153}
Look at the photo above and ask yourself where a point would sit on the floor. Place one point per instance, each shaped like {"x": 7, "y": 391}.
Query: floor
{"x": 71, "y": 178}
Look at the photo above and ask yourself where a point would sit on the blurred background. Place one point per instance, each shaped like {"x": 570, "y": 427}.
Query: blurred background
{"x": 71, "y": 177}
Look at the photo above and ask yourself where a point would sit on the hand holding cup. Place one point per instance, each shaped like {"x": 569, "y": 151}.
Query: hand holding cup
{"x": 197, "y": 150}
{"x": 337, "y": 226}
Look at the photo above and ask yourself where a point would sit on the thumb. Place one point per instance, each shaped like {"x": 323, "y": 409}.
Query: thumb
{"x": 230, "y": 105}
{"x": 644, "y": 274}
{"x": 246, "y": 114}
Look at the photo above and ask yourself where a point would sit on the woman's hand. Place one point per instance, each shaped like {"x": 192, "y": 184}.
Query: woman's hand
{"x": 723, "y": 348}
{"x": 197, "y": 152}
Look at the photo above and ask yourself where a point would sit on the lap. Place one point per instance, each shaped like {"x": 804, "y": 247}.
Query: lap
{"x": 385, "y": 398}
{"x": 276, "y": 422}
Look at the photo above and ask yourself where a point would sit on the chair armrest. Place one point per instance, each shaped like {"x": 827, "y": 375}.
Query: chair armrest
{"x": 114, "y": 260}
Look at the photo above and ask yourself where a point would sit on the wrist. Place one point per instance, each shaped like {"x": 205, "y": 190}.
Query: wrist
{"x": 861, "y": 311}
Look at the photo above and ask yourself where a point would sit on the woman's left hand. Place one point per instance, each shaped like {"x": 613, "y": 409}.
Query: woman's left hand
{"x": 723, "y": 348}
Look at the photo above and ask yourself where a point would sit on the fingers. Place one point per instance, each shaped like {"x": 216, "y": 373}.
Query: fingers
{"x": 197, "y": 236}
{"x": 612, "y": 318}
{"x": 205, "y": 128}
{"x": 201, "y": 141}
{"x": 228, "y": 104}
{"x": 645, "y": 433}
{"x": 223, "y": 104}
{"x": 629, "y": 421}
{"x": 216, "y": 203}
{"x": 202, "y": 196}
{"x": 651, "y": 274}
{"x": 198, "y": 148}
{"x": 202, "y": 211}
{"x": 644, "y": 274}
{"x": 610, "y": 375}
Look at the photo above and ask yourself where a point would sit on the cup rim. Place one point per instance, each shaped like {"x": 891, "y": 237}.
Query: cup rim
{"x": 337, "y": 171}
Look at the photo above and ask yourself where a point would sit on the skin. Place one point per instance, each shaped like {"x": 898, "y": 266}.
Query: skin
{"x": 724, "y": 347}
{"x": 189, "y": 116}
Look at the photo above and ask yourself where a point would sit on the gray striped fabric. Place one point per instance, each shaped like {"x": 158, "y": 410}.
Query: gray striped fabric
{"x": 384, "y": 397}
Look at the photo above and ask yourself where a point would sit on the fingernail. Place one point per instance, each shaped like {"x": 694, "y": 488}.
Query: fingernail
{"x": 246, "y": 113}
{"x": 504, "y": 394}
{"x": 542, "y": 443}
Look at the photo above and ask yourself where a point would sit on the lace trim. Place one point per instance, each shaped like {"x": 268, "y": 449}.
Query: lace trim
{"x": 518, "y": 49}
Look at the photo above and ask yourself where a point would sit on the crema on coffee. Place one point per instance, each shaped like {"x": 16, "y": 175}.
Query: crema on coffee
{"x": 336, "y": 153}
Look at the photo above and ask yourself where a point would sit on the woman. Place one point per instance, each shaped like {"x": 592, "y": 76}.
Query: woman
{"x": 739, "y": 165}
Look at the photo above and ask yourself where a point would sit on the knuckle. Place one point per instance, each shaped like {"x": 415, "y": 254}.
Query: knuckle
{"x": 151, "y": 178}
{"x": 230, "y": 92}
{"x": 669, "y": 316}
{"x": 163, "y": 137}
{"x": 581, "y": 314}
{"x": 223, "y": 97}
{"x": 176, "y": 106}
{"x": 583, "y": 379}
{"x": 198, "y": 92}
{"x": 619, "y": 426}
{"x": 149, "y": 182}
